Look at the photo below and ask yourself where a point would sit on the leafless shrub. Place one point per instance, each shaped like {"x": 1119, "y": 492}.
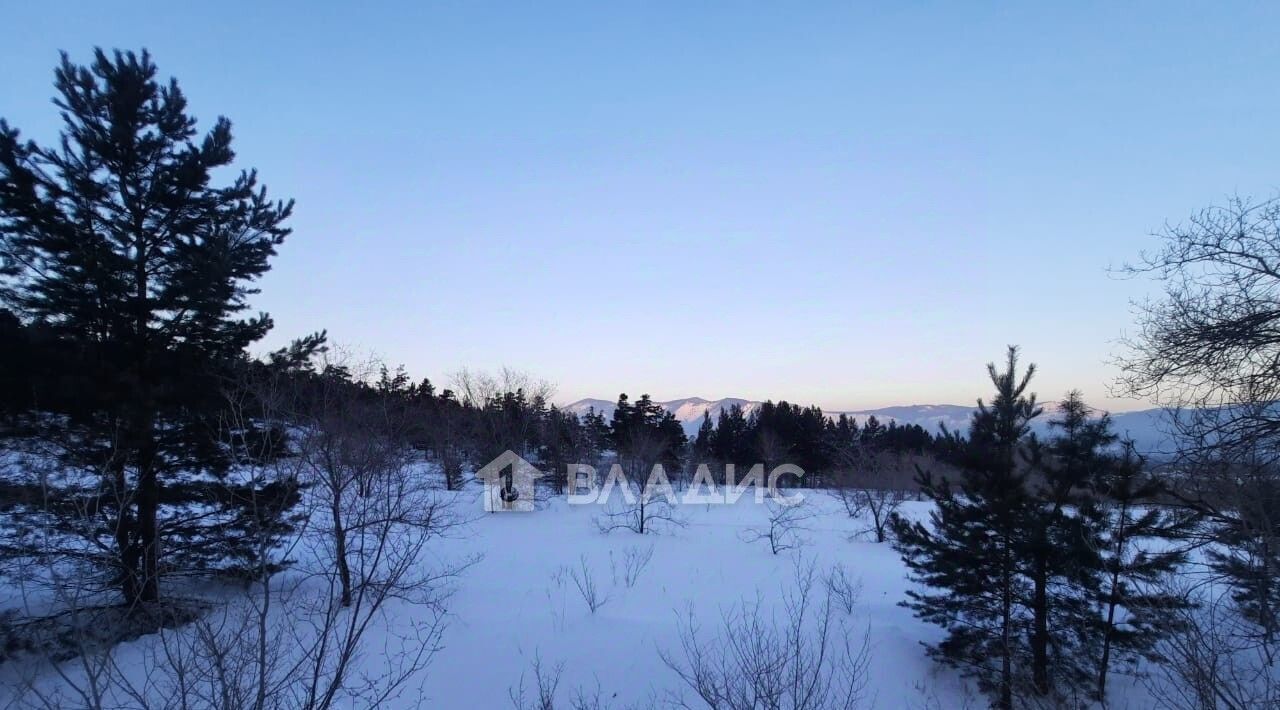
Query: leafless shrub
{"x": 293, "y": 641}
{"x": 585, "y": 582}
{"x": 842, "y": 589}
{"x": 881, "y": 504}
{"x": 1209, "y": 659}
{"x": 929, "y": 699}
{"x": 867, "y": 485}
{"x": 545, "y": 683}
{"x": 850, "y": 498}
{"x": 785, "y": 525}
{"x": 634, "y": 561}
{"x": 804, "y": 660}
{"x": 593, "y": 699}
{"x": 641, "y": 507}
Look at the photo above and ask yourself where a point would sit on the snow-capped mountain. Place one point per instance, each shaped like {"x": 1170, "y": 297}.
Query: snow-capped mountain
{"x": 1144, "y": 427}
{"x": 687, "y": 411}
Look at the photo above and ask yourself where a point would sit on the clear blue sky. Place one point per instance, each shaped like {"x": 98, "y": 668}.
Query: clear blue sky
{"x": 845, "y": 204}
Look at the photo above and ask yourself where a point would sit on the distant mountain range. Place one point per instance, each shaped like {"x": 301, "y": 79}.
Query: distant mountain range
{"x": 1144, "y": 426}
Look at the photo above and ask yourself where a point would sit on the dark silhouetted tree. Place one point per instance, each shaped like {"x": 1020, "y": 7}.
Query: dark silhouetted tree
{"x": 121, "y": 243}
{"x": 968, "y": 559}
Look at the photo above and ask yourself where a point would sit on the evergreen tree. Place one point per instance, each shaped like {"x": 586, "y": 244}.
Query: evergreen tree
{"x": 872, "y": 430}
{"x": 843, "y": 433}
{"x": 563, "y": 441}
{"x": 702, "y": 443}
{"x": 121, "y": 244}
{"x": 1248, "y": 554}
{"x": 968, "y": 558}
{"x": 596, "y": 433}
{"x": 729, "y": 443}
{"x": 645, "y": 434}
{"x": 1062, "y": 542}
{"x": 1133, "y": 611}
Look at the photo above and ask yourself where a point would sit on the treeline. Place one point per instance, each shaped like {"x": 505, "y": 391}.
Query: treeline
{"x": 776, "y": 433}
{"x": 80, "y": 394}
{"x": 162, "y": 445}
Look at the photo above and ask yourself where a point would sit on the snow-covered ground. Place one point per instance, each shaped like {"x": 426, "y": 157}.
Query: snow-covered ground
{"x": 519, "y": 603}
{"x": 512, "y": 607}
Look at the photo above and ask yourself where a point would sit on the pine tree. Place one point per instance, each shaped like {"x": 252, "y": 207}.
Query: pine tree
{"x": 968, "y": 558}
{"x": 1133, "y": 612}
{"x": 596, "y": 433}
{"x": 1247, "y": 557}
{"x": 842, "y": 434}
{"x": 124, "y": 246}
{"x": 1062, "y": 543}
{"x": 702, "y": 443}
{"x": 645, "y": 434}
{"x": 729, "y": 443}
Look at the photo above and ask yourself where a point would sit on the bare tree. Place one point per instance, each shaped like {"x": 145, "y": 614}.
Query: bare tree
{"x": 641, "y": 496}
{"x": 842, "y": 589}
{"x": 864, "y": 484}
{"x": 1209, "y": 352}
{"x": 446, "y": 430}
{"x": 640, "y": 507}
{"x": 634, "y": 562}
{"x": 805, "y": 660}
{"x": 293, "y": 640}
{"x": 584, "y": 579}
{"x": 546, "y": 682}
{"x": 880, "y": 505}
{"x": 477, "y": 388}
{"x": 1206, "y": 659}
{"x": 374, "y": 518}
{"x": 784, "y": 527}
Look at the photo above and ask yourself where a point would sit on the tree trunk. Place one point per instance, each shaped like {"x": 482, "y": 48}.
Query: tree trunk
{"x": 148, "y": 537}
{"x": 1040, "y": 630}
{"x": 1006, "y": 637}
{"x": 340, "y": 552}
{"x": 124, "y": 534}
{"x": 1113, "y": 600}
{"x": 148, "y": 509}
{"x": 1107, "y": 635}
{"x": 1265, "y": 612}
{"x": 144, "y": 417}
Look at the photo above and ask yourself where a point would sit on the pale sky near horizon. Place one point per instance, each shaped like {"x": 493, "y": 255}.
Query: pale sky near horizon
{"x": 852, "y": 205}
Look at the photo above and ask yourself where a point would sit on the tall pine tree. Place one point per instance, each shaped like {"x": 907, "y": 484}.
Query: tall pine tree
{"x": 968, "y": 558}
{"x": 1061, "y": 543}
{"x": 119, "y": 241}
